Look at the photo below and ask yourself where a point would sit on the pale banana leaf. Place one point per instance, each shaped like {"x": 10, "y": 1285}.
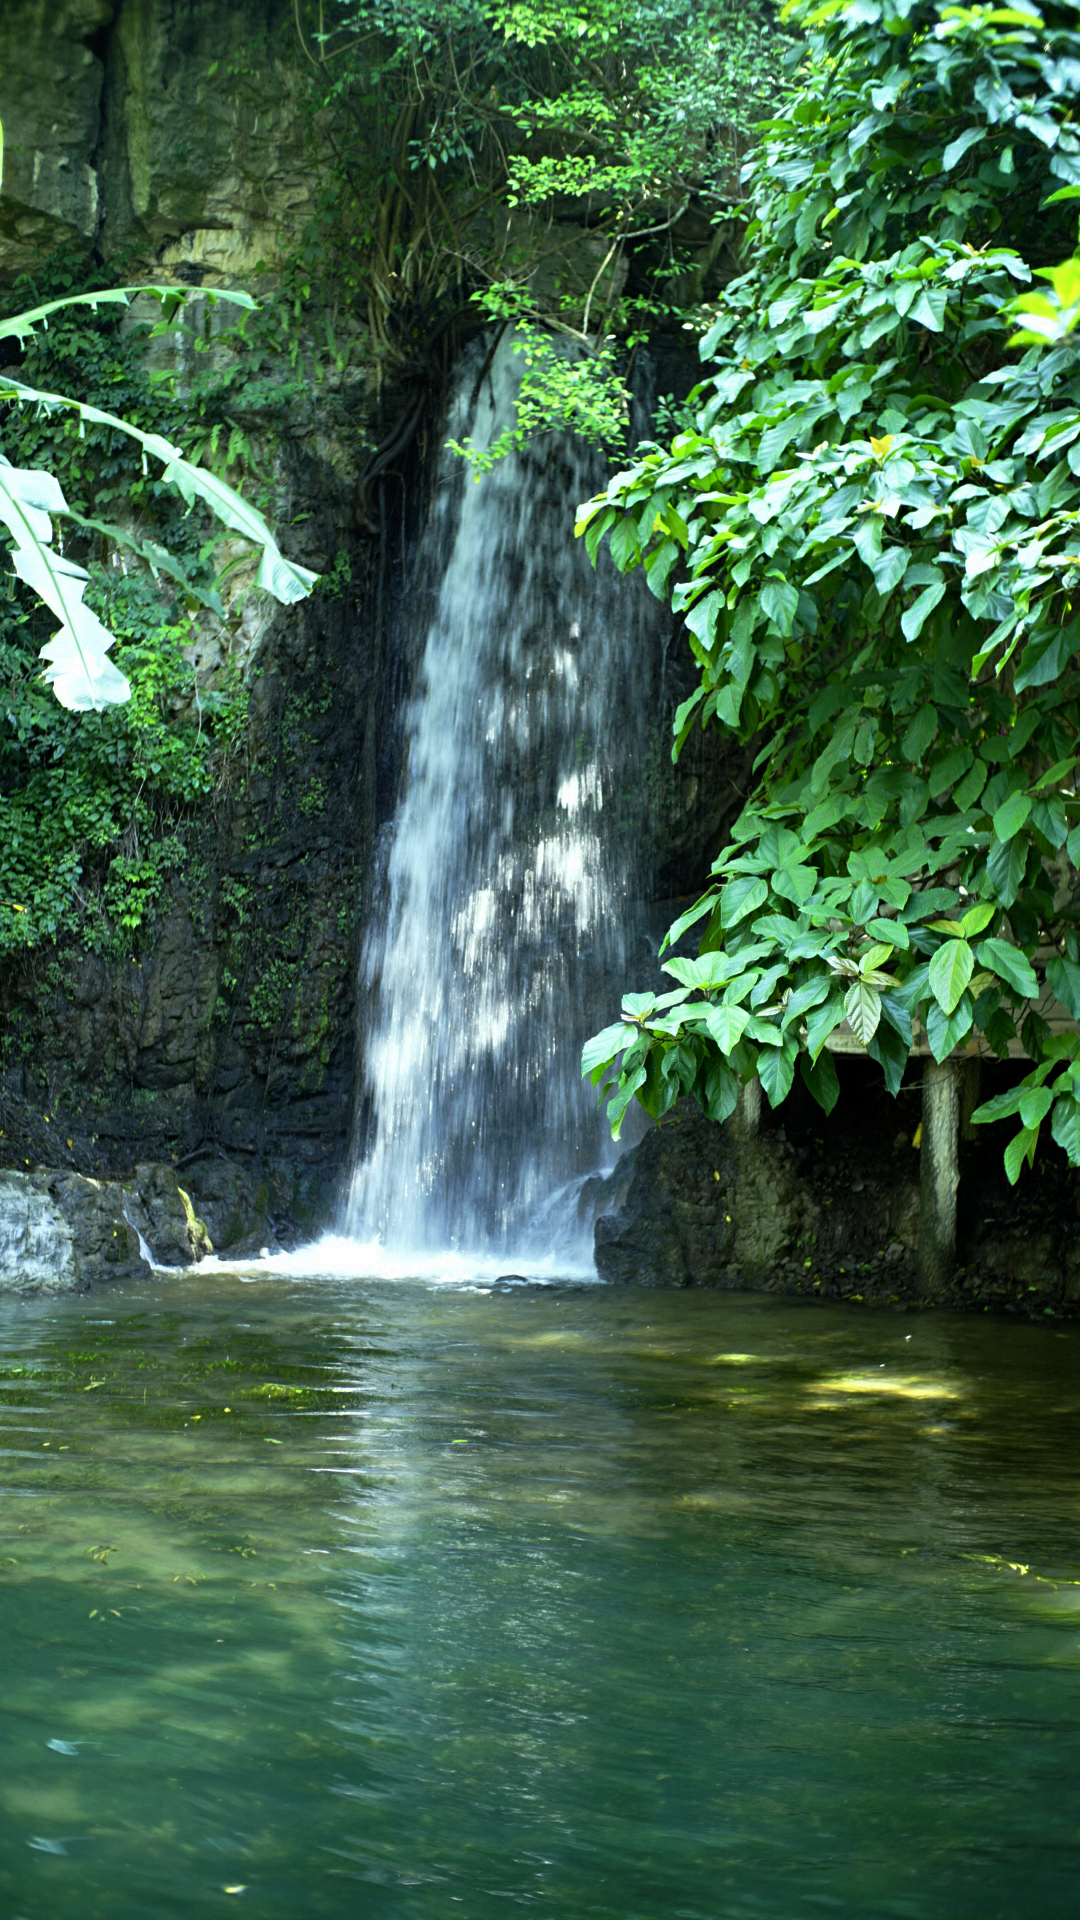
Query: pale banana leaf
{"x": 283, "y": 578}
{"x": 21, "y": 325}
{"x": 82, "y": 675}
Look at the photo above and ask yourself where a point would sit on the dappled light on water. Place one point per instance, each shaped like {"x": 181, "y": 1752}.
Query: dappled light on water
{"x": 389, "y": 1596}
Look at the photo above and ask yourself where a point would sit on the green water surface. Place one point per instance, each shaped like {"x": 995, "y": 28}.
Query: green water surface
{"x": 336, "y": 1598}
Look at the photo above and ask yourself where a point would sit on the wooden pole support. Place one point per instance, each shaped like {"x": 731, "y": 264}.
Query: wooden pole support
{"x": 939, "y": 1174}
{"x": 746, "y": 1120}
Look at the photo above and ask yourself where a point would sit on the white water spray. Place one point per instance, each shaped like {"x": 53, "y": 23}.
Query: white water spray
{"x": 500, "y": 921}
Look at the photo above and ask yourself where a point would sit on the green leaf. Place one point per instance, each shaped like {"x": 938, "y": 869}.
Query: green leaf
{"x": 889, "y": 569}
{"x": 727, "y": 1026}
{"x": 702, "y": 619}
{"x": 599, "y": 1052}
{"x": 957, "y": 148}
{"x": 1001, "y": 1107}
{"x": 1063, "y": 980}
{"x": 740, "y": 897}
{"x": 1010, "y": 965}
{"x": 721, "y": 1092}
{"x": 821, "y": 1079}
{"x": 779, "y": 603}
{"x": 1065, "y": 1127}
{"x": 929, "y": 311}
{"x": 820, "y": 1022}
{"x": 795, "y": 883}
{"x": 1035, "y": 1104}
{"x": 688, "y": 919}
{"x": 82, "y": 675}
{"x": 805, "y": 997}
{"x": 950, "y": 970}
{"x": 21, "y": 325}
{"x": 919, "y": 734}
{"x": 621, "y": 1099}
{"x": 623, "y": 544}
{"x": 970, "y": 787}
{"x": 282, "y": 578}
{"x": 776, "y": 1070}
{"x": 913, "y": 621}
{"x": 1020, "y": 1148}
{"x": 862, "y": 1005}
{"x": 946, "y": 1030}
{"x": 976, "y": 918}
{"x": 1011, "y": 815}
{"x": 890, "y": 1051}
{"x": 894, "y": 931}
{"x": 1005, "y": 864}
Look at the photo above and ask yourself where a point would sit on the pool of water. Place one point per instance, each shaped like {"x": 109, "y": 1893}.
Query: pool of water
{"x": 330, "y": 1597}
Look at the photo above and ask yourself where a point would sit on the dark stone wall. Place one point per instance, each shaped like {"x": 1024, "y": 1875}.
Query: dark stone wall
{"x": 830, "y": 1207}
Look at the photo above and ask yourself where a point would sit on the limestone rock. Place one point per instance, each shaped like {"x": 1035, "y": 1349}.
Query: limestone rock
{"x": 161, "y": 1209}
{"x": 204, "y": 158}
{"x": 50, "y": 105}
{"x": 62, "y": 1233}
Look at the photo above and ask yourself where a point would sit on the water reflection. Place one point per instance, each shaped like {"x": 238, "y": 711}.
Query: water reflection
{"x": 593, "y": 1602}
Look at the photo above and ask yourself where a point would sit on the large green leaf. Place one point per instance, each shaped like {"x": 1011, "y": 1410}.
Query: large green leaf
{"x": 950, "y": 970}
{"x": 1001, "y": 1107}
{"x": 1012, "y": 815}
{"x": 946, "y": 1030}
{"x": 601, "y": 1050}
{"x": 890, "y": 1050}
{"x": 20, "y": 326}
{"x": 727, "y": 1026}
{"x": 862, "y": 1005}
{"x": 740, "y": 897}
{"x": 820, "y": 1022}
{"x": 1010, "y": 965}
{"x": 821, "y": 1078}
{"x": 776, "y": 1070}
{"x": 1065, "y": 1127}
{"x": 1020, "y": 1148}
{"x": 1063, "y": 979}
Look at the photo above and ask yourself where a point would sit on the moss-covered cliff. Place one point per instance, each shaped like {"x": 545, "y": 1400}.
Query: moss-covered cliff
{"x": 188, "y": 879}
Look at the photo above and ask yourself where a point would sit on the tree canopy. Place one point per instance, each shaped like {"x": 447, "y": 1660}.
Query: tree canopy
{"x": 869, "y": 523}
{"x": 512, "y": 159}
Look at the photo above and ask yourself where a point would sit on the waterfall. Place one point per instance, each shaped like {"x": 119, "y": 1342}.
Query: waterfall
{"x": 505, "y": 899}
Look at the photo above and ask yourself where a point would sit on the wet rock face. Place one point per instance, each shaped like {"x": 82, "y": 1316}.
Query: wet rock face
{"x": 695, "y": 1208}
{"x": 170, "y": 125}
{"x": 831, "y": 1207}
{"x": 51, "y": 83}
{"x": 63, "y": 1233}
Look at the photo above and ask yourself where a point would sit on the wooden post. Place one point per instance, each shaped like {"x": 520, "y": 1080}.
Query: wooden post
{"x": 939, "y": 1174}
{"x": 970, "y": 1084}
{"x": 746, "y": 1120}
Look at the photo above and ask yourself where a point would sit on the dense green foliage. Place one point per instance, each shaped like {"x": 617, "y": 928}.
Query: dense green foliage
{"x": 89, "y": 802}
{"x": 520, "y": 155}
{"x": 869, "y": 523}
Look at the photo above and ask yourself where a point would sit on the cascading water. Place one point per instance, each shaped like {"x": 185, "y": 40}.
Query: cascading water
{"x": 501, "y": 919}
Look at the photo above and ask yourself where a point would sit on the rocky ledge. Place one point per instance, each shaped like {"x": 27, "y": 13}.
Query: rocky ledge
{"x": 832, "y": 1214}
{"x": 63, "y": 1233}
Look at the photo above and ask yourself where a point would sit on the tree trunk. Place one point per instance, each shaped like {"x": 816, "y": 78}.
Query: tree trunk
{"x": 970, "y": 1088}
{"x": 939, "y": 1174}
{"x": 746, "y": 1120}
